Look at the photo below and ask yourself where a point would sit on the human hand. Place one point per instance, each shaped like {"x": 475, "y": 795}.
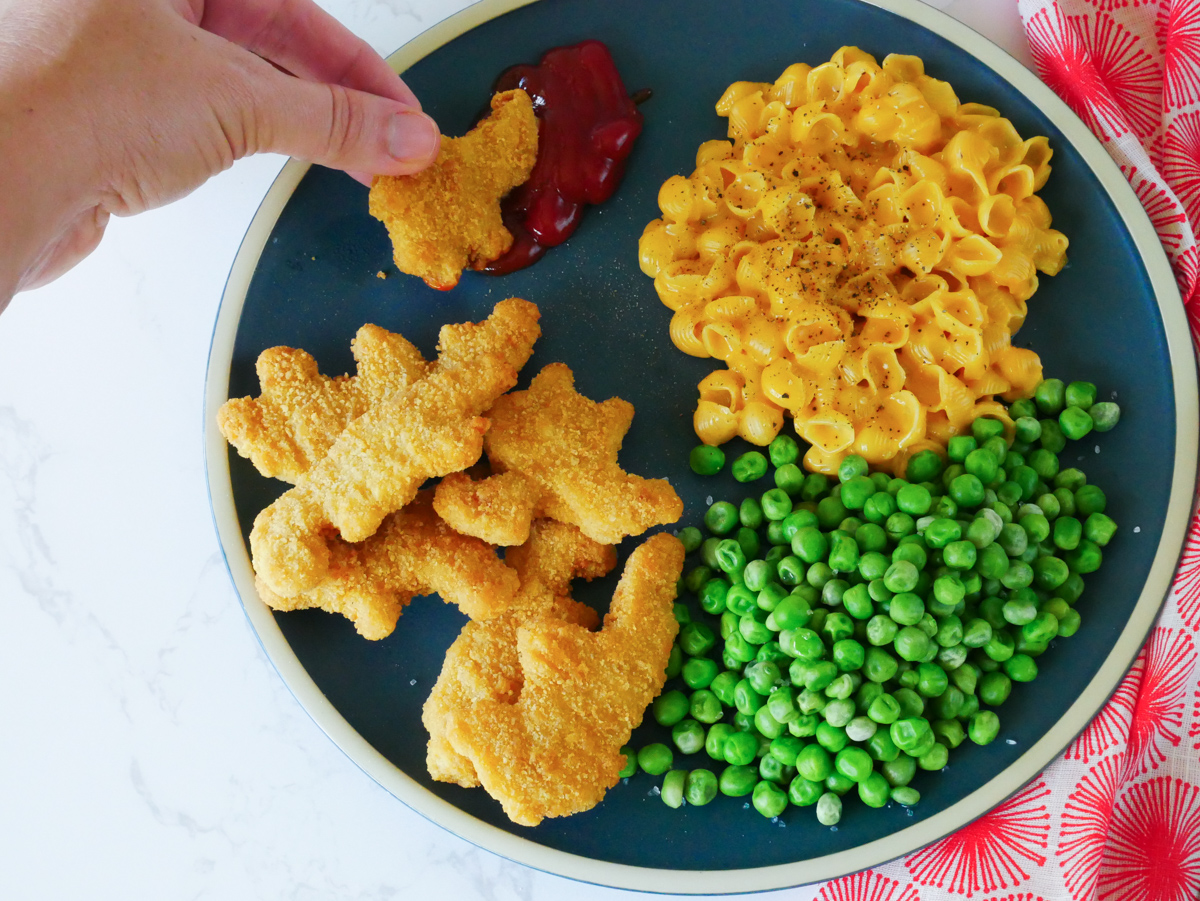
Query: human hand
{"x": 112, "y": 107}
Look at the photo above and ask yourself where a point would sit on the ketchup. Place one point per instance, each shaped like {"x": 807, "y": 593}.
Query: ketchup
{"x": 587, "y": 129}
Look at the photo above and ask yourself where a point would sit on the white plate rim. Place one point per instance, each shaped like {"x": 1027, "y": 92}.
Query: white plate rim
{"x": 989, "y": 795}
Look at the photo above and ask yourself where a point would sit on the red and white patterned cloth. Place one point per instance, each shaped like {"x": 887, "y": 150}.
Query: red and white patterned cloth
{"x": 1117, "y": 816}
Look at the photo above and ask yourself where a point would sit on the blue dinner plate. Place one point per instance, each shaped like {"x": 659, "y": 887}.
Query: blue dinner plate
{"x": 306, "y": 276}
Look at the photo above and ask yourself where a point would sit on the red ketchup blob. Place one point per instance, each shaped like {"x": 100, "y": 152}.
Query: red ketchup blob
{"x": 587, "y": 129}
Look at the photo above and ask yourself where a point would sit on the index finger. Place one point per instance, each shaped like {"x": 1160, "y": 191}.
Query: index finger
{"x": 303, "y": 39}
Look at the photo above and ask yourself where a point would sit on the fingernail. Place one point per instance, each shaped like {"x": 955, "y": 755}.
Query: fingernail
{"x": 412, "y": 137}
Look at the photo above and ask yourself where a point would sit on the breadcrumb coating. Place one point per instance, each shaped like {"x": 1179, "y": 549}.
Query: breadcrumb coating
{"x": 447, "y": 217}
{"x": 482, "y": 662}
{"x": 556, "y": 452}
{"x": 556, "y": 749}
{"x": 413, "y": 553}
{"x": 431, "y": 428}
{"x": 292, "y": 424}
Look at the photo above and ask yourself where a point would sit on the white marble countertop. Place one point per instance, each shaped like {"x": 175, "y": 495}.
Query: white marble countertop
{"x": 148, "y": 749}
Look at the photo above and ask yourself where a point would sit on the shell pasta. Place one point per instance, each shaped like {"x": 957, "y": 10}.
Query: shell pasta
{"x": 858, "y": 255}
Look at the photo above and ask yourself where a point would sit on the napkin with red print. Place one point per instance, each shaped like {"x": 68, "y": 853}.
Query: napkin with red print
{"x": 1117, "y": 816}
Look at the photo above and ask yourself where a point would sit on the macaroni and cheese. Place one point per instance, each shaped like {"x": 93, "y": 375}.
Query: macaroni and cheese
{"x": 858, "y": 254}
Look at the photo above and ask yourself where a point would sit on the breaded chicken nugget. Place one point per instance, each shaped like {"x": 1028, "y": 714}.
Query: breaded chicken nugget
{"x": 482, "y": 663}
{"x": 300, "y": 412}
{"x": 556, "y": 750}
{"x": 447, "y": 217}
{"x": 413, "y": 553}
{"x": 431, "y": 428}
{"x": 555, "y": 452}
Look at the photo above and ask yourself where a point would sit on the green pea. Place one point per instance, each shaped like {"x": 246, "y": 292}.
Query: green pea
{"x": 776, "y": 504}
{"x": 738, "y": 648}
{"x": 697, "y": 639}
{"x": 740, "y": 748}
{"x": 766, "y": 724}
{"x": 1068, "y": 623}
{"x": 655, "y": 759}
{"x": 855, "y": 492}
{"x": 848, "y": 655}
{"x": 901, "y": 576}
{"x": 949, "y": 733}
{"x": 914, "y": 500}
{"x": 783, "y": 450}
{"x": 884, "y": 710}
{"x": 749, "y": 467}
{"x": 1089, "y": 499}
{"x": 942, "y": 532}
{"x": 1021, "y": 667}
{"x": 814, "y": 763}
{"x": 857, "y": 602}
{"x": 674, "y": 662}
{"x": 829, "y": 809}
{"x": 792, "y": 612}
{"x": 740, "y": 600}
{"x": 912, "y": 644}
{"x": 935, "y": 758}
{"x": 804, "y": 793}
{"x": 750, "y": 513}
{"x": 843, "y": 553}
{"x": 1105, "y": 415}
{"x": 1075, "y": 422}
{"x": 1050, "y": 572}
{"x": 630, "y": 767}
{"x": 976, "y": 632}
{"x": 830, "y": 512}
{"x": 1099, "y": 529}
{"x": 899, "y": 772}
{"x": 1001, "y": 646}
{"x": 879, "y": 506}
{"x": 983, "y": 727}
{"x": 994, "y": 688}
{"x": 881, "y": 630}
{"x": 1026, "y": 428}
{"x": 700, "y": 787}
{"x": 1080, "y": 394}
{"x": 688, "y": 736}
{"x": 810, "y": 545}
{"x": 831, "y": 738}
{"x": 769, "y": 799}
{"x": 932, "y": 680}
{"x": 699, "y": 672}
{"x": 714, "y": 743}
{"x": 909, "y": 733}
{"x": 923, "y": 466}
{"x": 1050, "y": 396}
{"x": 721, "y": 518}
{"x": 670, "y": 707}
{"x": 905, "y": 796}
{"x": 738, "y": 780}
{"x": 1052, "y": 438}
{"x": 959, "y": 555}
{"x": 705, "y": 707}
{"x": 1084, "y": 559}
{"x": 691, "y": 538}
{"x": 966, "y": 490}
{"x": 706, "y": 460}
{"x": 878, "y": 665}
{"x": 854, "y": 763}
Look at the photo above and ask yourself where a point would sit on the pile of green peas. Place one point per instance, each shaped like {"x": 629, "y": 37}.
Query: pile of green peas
{"x": 869, "y": 624}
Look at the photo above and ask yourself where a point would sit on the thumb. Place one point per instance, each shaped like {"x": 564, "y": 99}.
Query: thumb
{"x": 339, "y": 127}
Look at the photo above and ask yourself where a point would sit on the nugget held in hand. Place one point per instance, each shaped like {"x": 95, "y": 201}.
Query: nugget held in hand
{"x": 429, "y": 429}
{"x": 482, "y": 663}
{"x": 300, "y": 413}
{"x": 447, "y": 217}
{"x": 556, "y": 750}
{"x": 413, "y": 553}
{"x": 555, "y": 454}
